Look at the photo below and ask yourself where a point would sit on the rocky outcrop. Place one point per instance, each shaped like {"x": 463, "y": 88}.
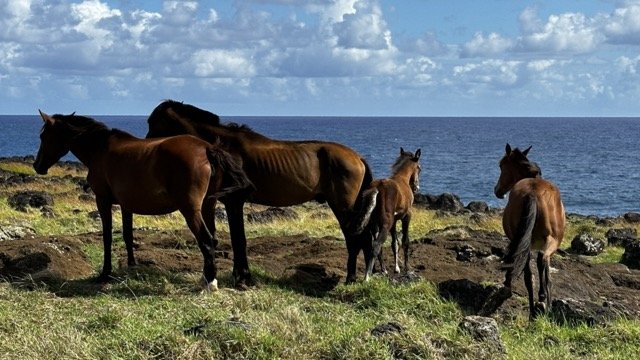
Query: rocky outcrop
{"x": 631, "y": 256}
{"x": 35, "y": 199}
{"x": 473, "y": 297}
{"x": 575, "y": 312}
{"x": 620, "y": 237}
{"x": 485, "y": 331}
{"x": 14, "y": 232}
{"x": 585, "y": 244}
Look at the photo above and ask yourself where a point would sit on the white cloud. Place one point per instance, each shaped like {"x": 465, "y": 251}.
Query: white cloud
{"x": 222, "y": 63}
{"x": 623, "y": 25}
{"x": 496, "y": 73}
{"x": 363, "y": 29}
{"x": 568, "y": 32}
{"x": 480, "y": 45}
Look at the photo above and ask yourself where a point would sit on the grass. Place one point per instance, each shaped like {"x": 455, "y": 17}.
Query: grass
{"x": 150, "y": 314}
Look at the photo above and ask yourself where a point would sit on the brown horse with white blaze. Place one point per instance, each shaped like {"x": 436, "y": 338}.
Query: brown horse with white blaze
{"x": 148, "y": 177}
{"x": 534, "y": 219}
{"x": 284, "y": 173}
{"x": 393, "y": 203}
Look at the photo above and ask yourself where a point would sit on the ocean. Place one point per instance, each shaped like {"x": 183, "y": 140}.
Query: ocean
{"x": 594, "y": 161}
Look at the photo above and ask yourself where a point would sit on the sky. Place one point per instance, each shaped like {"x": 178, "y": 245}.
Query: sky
{"x": 322, "y": 57}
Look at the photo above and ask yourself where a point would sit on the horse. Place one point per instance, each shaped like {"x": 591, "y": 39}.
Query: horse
{"x": 534, "y": 219}
{"x": 393, "y": 201}
{"x": 284, "y": 173}
{"x": 148, "y": 177}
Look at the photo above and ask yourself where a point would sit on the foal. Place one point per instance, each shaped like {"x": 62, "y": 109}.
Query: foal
{"x": 393, "y": 199}
{"x": 533, "y": 219}
{"x": 149, "y": 177}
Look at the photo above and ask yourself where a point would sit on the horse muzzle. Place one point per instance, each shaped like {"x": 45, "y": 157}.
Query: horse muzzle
{"x": 40, "y": 170}
{"x": 499, "y": 193}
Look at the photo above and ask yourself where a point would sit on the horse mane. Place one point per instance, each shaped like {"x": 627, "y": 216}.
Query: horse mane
{"x": 80, "y": 124}
{"x": 198, "y": 115}
{"x": 401, "y": 161}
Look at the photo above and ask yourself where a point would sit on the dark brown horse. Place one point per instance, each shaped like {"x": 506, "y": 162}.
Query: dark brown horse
{"x": 393, "y": 202}
{"x": 283, "y": 172}
{"x": 533, "y": 220}
{"x": 148, "y": 177}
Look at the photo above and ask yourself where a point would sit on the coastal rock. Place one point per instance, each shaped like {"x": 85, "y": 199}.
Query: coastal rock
{"x": 585, "y": 244}
{"x": 387, "y": 328}
{"x": 272, "y": 214}
{"x": 484, "y": 330}
{"x": 445, "y": 202}
{"x": 465, "y": 252}
{"x": 632, "y": 217}
{"x": 473, "y": 297}
{"x": 36, "y": 199}
{"x": 575, "y": 312}
{"x": 478, "y": 206}
{"x": 621, "y": 237}
{"x": 631, "y": 256}
{"x": 14, "y": 232}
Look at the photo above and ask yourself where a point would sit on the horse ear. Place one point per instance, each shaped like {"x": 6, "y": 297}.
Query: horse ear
{"x": 526, "y": 151}
{"x": 507, "y": 149}
{"x": 417, "y": 155}
{"x": 73, "y": 114}
{"x": 46, "y": 118}
{"x": 401, "y": 150}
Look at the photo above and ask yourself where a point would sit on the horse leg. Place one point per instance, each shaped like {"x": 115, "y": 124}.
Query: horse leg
{"x": 209, "y": 214}
{"x": 127, "y": 235}
{"x": 104, "y": 208}
{"x": 206, "y": 243}
{"x": 353, "y": 249}
{"x": 241, "y": 273}
{"x": 394, "y": 248}
{"x": 528, "y": 283}
{"x": 375, "y": 250}
{"x": 405, "y": 240}
{"x": 544, "y": 262}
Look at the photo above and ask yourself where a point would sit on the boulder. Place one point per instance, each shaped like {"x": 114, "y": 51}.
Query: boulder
{"x": 632, "y": 217}
{"x": 36, "y": 199}
{"x": 473, "y": 297}
{"x": 478, "y": 206}
{"x": 585, "y": 244}
{"x": 387, "y": 328}
{"x": 620, "y": 237}
{"x": 448, "y": 202}
{"x": 631, "y": 256}
{"x": 14, "y": 232}
{"x": 272, "y": 214}
{"x": 465, "y": 252}
{"x": 484, "y": 330}
{"x": 576, "y": 312}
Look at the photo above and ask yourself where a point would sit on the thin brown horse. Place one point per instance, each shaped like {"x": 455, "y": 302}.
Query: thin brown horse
{"x": 284, "y": 173}
{"x": 393, "y": 201}
{"x": 148, "y": 177}
{"x": 533, "y": 219}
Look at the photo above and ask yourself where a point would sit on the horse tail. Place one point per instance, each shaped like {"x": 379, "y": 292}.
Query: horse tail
{"x": 234, "y": 179}
{"x": 365, "y": 201}
{"x": 520, "y": 248}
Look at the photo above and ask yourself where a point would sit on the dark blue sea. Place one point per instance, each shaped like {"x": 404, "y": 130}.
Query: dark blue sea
{"x": 594, "y": 161}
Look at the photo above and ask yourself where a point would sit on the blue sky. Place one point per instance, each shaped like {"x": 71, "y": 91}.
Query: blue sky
{"x": 323, "y": 57}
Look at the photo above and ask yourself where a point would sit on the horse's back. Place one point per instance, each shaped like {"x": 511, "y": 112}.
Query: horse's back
{"x": 550, "y": 218}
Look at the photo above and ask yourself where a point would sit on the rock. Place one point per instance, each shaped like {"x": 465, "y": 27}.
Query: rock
{"x": 620, "y": 237}
{"x": 484, "y": 330}
{"x": 478, "y": 206}
{"x": 632, "y": 217}
{"x": 474, "y": 297}
{"x": 36, "y": 199}
{"x": 604, "y": 222}
{"x": 448, "y": 202}
{"x": 13, "y": 232}
{"x": 272, "y": 214}
{"x": 465, "y": 252}
{"x": 387, "y": 328}
{"x": 445, "y": 202}
{"x": 585, "y": 244}
{"x": 626, "y": 280}
{"x": 220, "y": 214}
{"x": 95, "y": 215}
{"x": 47, "y": 212}
{"x": 631, "y": 256}
{"x": 575, "y": 312}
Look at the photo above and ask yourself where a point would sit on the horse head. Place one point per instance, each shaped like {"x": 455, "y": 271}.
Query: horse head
{"x": 514, "y": 166}
{"x": 412, "y": 162}
{"x": 54, "y": 143}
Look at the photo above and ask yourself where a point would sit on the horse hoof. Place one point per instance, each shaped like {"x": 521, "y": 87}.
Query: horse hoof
{"x": 210, "y": 287}
{"x": 539, "y": 309}
{"x": 102, "y": 279}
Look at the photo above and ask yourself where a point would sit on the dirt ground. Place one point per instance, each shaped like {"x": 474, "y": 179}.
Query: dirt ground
{"x": 317, "y": 265}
